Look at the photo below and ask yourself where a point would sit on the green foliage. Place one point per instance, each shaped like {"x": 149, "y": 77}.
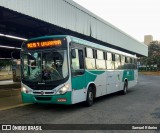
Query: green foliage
{"x": 5, "y": 63}
{"x": 153, "y": 55}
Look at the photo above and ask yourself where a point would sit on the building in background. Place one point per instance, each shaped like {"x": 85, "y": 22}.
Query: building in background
{"x": 148, "y": 39}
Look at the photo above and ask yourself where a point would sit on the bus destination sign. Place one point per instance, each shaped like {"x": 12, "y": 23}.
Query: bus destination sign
{"x": 44, "y": 44}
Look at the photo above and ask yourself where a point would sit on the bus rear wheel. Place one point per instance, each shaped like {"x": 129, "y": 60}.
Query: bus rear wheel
{"x": 90, "y": 97}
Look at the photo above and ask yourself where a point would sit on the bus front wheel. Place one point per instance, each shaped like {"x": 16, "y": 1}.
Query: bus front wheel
{"x": 90, "y": 97}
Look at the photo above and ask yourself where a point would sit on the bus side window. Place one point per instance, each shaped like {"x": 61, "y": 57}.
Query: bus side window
{"x": 122, "y": 62}
{"x": 128, "y": 61}
{"x": 90, "y": 58}
{"x": 77, "y": 66}
{"x": 117, "y": 61}
{"x": 109, "y": 61}
{"x": 100, "y": 61}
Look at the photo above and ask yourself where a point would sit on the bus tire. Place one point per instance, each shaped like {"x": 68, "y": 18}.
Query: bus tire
{"x": 125, "y": 88}
{"x": 90, "y": 97}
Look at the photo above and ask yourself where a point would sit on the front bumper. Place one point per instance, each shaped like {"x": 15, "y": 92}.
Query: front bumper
{"x": 47, "y": 99}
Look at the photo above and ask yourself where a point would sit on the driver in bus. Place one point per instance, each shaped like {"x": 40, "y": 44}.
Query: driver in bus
{"x": 54, "y": 71}
{"x": 34, "y": 71}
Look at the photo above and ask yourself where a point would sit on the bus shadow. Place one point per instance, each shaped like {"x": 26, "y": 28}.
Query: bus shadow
{"x": 112, "y": 96}
{"x": 78, "y": 106}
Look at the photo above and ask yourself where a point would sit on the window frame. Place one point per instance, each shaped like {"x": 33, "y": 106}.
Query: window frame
{"x": 79, "y": 47}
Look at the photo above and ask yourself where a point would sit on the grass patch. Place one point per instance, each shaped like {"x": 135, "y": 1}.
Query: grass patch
{"x": 9, "y": 92}
{"x": 6, "y": 77}
{"x": 151, "y": 73}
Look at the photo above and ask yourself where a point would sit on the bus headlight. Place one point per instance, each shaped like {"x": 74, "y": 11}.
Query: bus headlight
{"x": 64, "y": 89}
{"x": 24, "y": 89}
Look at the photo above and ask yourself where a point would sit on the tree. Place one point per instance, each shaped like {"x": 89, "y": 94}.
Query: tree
{"x": 153, "y": 55}
{"x": 4, "y": 63}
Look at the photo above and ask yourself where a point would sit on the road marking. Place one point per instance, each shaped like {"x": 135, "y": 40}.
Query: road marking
{"x": 11, "y": 107}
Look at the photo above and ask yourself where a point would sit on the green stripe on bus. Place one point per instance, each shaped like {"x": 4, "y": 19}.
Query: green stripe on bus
{"x": 128, "y": 74}
{"x": 95, "y": 72}
{"x": 81, "y": 81}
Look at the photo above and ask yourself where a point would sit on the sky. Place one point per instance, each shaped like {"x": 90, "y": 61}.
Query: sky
{"x": 135, "y": 17}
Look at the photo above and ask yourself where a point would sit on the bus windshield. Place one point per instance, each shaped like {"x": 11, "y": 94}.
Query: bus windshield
{"x": 44, "y": 66}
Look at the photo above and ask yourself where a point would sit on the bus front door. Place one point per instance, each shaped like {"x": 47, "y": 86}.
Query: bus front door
{"x": 78, "y": 76}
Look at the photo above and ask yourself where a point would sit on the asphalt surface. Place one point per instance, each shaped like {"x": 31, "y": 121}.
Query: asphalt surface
{"x": 141, "y": 105}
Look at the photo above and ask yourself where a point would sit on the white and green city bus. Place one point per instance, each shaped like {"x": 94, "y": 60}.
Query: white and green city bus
{"x": 68, "y": 70}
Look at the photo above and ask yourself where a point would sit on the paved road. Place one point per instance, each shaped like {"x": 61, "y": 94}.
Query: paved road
{"x": 141, "y": 105}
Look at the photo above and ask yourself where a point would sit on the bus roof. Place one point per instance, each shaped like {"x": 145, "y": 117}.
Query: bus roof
{"x": 47, "y": 37}
{"x": 84, "y": 42}
{"x": 100, "y": 47}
